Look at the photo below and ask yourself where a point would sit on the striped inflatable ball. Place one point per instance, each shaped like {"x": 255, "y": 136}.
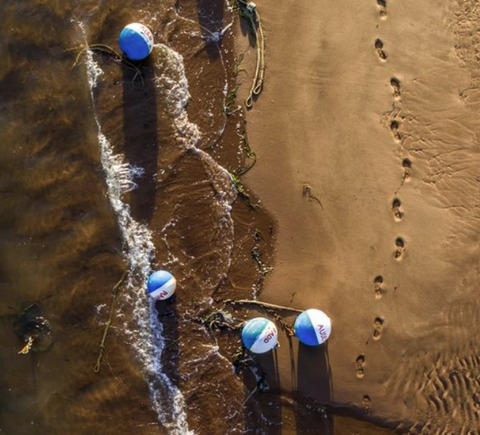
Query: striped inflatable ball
{"x": 136, "y": 41}
{"x": 312, "y": 327}
{"x": 259, "y": 335}
{"x": 161, "y": 285}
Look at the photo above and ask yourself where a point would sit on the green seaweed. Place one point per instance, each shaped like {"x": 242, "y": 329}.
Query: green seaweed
{"x": 257, "y": 235}
{"x": 242, "y": 192}
{"x": 263, "y": 269}
{"x": 115, "y": 291}
{"x": 230, "y": 101}
{"x": 116, "y": 56}
{"x": 233, "y": 5}
{"x": 236, "y": 69}
{"x": 219, "y": 320}
{"x": 248, "y": 152}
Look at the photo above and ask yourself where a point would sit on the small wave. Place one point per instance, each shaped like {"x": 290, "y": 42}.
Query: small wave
{"x": 146, "y": 334}
{"x": 172, "y": 84}
{"x": 145, "y": 331}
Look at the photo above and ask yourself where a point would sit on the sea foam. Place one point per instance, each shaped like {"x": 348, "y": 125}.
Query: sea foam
{"x": 146, "y": 335}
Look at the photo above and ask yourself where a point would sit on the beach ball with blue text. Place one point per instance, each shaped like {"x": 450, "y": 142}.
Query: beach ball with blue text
{"x": 312, "y": 327}
{"x": 136, "y": 41}
{"x": 259, "y": 335}
{"x": 161, "y": 285}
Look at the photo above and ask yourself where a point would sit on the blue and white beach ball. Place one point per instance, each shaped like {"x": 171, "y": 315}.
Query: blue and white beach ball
{"x": 312, "y": 327}
{"x": 136, "y": 41}
{"x": 161, "y": 285}
{"x": 259, "y": 335}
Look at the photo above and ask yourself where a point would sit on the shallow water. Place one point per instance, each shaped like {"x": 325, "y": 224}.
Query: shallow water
{"x": 103, "y": 172}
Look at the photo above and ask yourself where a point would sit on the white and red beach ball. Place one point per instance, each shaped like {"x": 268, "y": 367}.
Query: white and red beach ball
{"x": 312, "y": 327}
{"x": 161, "y": 285}
{"x": 259, "y": 335}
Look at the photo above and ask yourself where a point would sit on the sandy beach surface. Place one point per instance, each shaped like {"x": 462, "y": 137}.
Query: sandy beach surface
{"x": 367, "y": 141}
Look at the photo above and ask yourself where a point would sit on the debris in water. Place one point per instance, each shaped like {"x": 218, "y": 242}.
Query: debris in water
{"x": 33, "y": 329}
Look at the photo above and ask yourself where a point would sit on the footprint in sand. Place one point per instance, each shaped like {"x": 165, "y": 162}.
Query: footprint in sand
{"x": 400, "y": 244}
{"x": 382, "y": 6}
{"x": 395, "y": 84}
{"x": 396, "y": 208}
{"x": 360, "y": 366}
{"x": 366, "y": 404}
{"x": 407, "y": 168}
{"x": 394, "y": 127}
{"x": 377, "y": 328}
{"x": 379, "y": 47}
{"x": 377, "y": 284}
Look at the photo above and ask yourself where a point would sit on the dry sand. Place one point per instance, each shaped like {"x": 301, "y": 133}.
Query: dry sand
{"x": 372, "y": 108}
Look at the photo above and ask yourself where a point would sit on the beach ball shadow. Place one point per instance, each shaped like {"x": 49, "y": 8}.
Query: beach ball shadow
{"x": 314, "y": 376}
{"x": 263, "y": 411}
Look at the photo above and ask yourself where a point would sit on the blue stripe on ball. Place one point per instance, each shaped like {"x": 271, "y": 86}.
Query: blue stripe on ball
{"x": 158, "y": 279}
{"x": 252, "y": 330}
{"x": 304, "y": 330}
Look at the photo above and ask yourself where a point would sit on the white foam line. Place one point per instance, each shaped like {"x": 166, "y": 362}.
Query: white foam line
{"x": 146, "y": 339}
{"x": 172, "y": 81}
{"x": 214, "y": 37}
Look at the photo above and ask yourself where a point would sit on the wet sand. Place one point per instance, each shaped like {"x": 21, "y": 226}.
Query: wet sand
{"x": 64, "y": 245}
{"x": 367, "y": 140}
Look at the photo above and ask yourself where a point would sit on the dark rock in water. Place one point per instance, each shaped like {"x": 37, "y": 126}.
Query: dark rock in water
{"x": 33, "y": 329}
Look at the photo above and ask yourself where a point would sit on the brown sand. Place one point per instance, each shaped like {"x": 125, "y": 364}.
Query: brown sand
{"x": 373, "y": 110}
